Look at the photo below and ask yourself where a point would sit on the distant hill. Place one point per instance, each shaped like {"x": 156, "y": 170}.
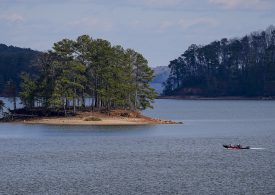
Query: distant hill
{"x": 161, "y": 74}
{"x": 228, "y": 67}
{"x": 13, "y": 61}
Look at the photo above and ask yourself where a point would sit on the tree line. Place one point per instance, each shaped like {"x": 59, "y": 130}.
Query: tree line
{"x": 75, "y": 70}
{"x": 229, "y": 67}
{"x": 13, "y": 61}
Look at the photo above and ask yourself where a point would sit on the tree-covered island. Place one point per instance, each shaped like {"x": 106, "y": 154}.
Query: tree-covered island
{"x": 114, "y": 80}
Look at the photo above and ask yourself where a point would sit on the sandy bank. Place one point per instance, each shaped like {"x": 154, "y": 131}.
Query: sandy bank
{"x": 103, "y": 119}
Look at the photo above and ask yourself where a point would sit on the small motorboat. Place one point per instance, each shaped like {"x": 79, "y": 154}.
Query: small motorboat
{"x": 235, "y": 147}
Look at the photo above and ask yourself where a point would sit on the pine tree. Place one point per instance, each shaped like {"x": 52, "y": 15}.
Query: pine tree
{"x": 111, "y": 76}
{"x": 28, "y": 90}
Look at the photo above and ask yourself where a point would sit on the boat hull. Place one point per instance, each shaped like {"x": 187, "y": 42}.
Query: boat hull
{"x": 236, "y": 147}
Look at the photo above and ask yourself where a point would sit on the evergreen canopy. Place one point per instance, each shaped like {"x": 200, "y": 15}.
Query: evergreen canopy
{"x": 86, "y": 68}
{"x": 236, "y": 67}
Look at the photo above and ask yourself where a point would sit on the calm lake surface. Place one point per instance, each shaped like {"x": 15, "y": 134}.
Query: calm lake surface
{"x": 153, "y": 159}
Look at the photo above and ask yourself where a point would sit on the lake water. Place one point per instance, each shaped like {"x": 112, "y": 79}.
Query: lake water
{"x": 153, "y": 159}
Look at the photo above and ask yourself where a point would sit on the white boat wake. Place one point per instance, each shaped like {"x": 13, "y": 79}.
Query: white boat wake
{"x": 257, "y": 148}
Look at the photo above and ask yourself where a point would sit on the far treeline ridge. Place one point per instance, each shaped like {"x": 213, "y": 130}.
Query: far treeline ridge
{"x": 229, "y": 67}
{"x": 14, "y": 61}
{"x": 112, "y": 77}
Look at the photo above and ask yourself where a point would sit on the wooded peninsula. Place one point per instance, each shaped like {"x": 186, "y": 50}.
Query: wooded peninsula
{"x": 240, "y": 67}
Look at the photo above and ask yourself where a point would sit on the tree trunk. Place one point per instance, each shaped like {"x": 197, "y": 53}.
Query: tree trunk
{"x": 83, "y": 100}
{"x": 136, "y": 95}
{"x": 14, "y": 103}
{"x": 74, "y": 102}
{"x": 64, "y": 106}
{"x": 96, "y": 100}
{"x": 74, "y": 107}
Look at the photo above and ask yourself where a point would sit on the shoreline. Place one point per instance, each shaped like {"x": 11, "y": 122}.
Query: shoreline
{"x": 94, "y": 118}
{"x": 214, "y": 98}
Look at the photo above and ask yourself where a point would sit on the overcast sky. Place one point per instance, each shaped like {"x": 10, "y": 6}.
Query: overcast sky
{"x": 159, "y": 29}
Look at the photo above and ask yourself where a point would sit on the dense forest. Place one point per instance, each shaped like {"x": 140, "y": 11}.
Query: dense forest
{"x": 75, "y": 70}
{"x": 13, "y": 61}
{"x": 229, "y": 67}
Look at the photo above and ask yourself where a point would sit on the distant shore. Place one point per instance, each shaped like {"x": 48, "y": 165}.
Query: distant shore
{"x": 215, "y": 98}
{"x": 95, "y": 118}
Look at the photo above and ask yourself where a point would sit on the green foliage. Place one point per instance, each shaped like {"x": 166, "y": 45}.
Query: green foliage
{"x": 111, "y": 76}
{"x": 238, "y": 67}
{"x": 28, "y": 90}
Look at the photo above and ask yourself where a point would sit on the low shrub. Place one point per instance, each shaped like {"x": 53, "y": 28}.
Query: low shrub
{"x": 92, "y": 119}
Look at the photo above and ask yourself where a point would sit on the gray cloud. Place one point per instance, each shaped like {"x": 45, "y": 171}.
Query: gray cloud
{"x": 92, "y": 23}
{"x": 12, "y": 17}
{"x": 248, "y": 4}
{"x": 160, "y": 29}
